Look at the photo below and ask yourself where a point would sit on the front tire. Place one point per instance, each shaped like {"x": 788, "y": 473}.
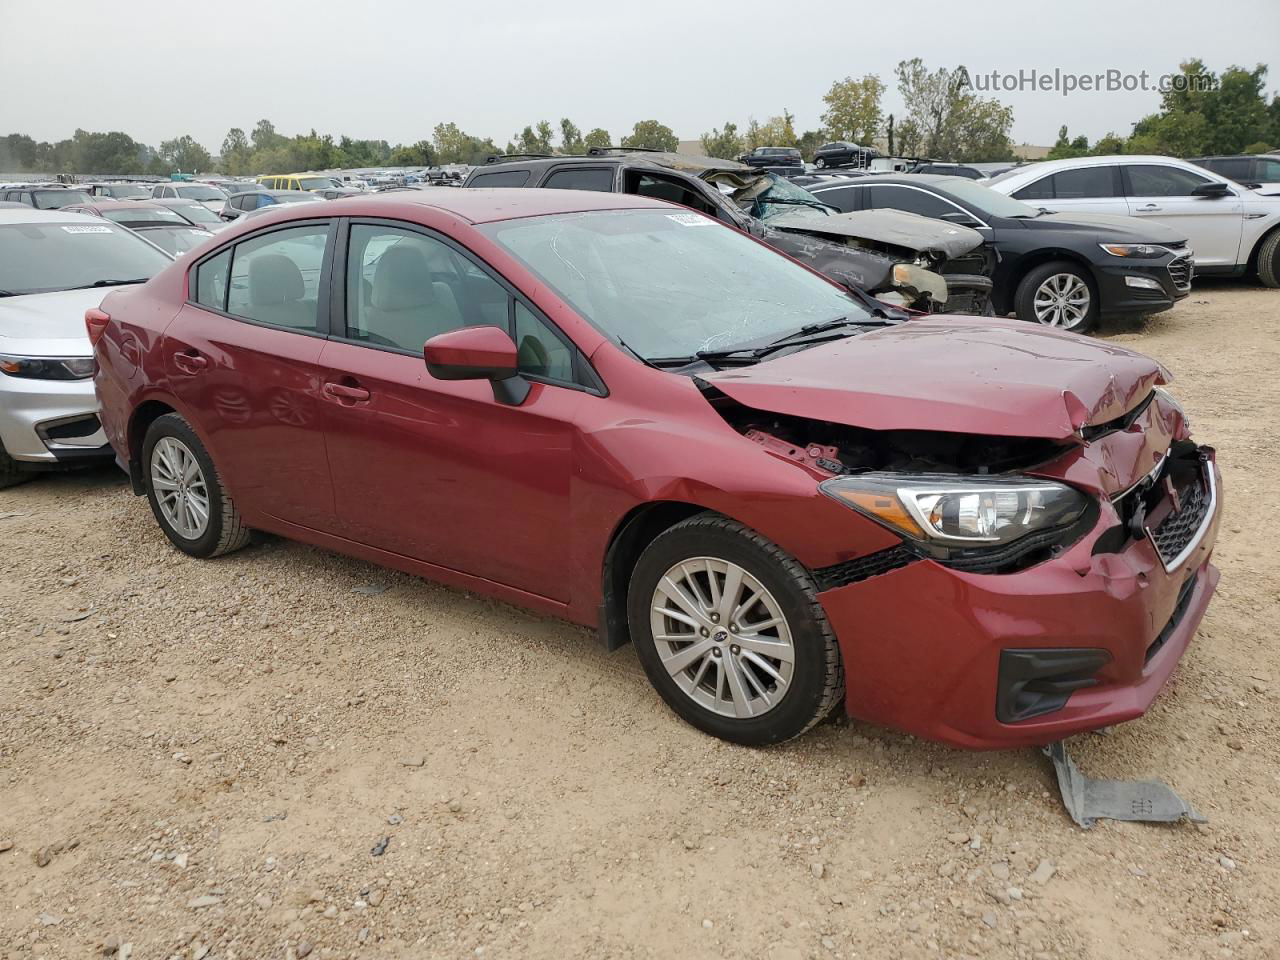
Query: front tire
{"x": 1058, "y": 294}
{"x": 730, "y": 633}
{"x": 185, "y": 492}
{"x": 820, "y": 163}
{"x": 10, "y": 473}
{"x": 1269, "y": 260}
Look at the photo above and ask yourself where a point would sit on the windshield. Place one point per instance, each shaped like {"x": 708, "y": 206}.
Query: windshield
{"x": 198, "y": 214}
{"x": 57, "y": 199}
{"x": 988, "y": 200}
{"x": 316, "y": 183}
{"x": 201, "y": 192}
{"x": 38, "y": 258}
{"x": 175, "y": 240}
{"x": 125, "y": 191}
{"x": 143, "y": 215}
{"x": 672, "y": 284}
{"x": 779, "y": 198}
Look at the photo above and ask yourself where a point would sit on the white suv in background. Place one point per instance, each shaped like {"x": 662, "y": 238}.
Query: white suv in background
{"x": 1233, "y": 230}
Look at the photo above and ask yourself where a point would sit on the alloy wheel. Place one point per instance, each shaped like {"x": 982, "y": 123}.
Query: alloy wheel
{"x": 722, "y": 636}
{"x": 180, "y": 488}
{"x": 1062, "y": 300}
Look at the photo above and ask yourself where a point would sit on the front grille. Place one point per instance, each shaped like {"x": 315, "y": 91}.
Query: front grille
{"x": 860, "y": 568}
{"x": 1179, "y": 529}
{"x": 1180, "y": 271}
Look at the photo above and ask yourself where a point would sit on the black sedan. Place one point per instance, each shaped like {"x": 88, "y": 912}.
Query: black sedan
{"x": 1062, "y": 270}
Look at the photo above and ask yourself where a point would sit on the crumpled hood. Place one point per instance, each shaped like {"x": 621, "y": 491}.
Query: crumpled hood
{"x": 49, "y": 323}
{"x": 910, "y": 230}
{"x": 956, "y": 374}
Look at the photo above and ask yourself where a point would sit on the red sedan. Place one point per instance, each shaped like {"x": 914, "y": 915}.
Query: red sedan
{"x": 788, "y": 496}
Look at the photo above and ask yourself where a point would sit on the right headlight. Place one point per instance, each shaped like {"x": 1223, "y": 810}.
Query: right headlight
{"x": 959, "y": 511}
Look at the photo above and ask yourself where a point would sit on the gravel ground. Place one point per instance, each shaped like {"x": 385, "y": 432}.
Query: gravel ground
{"x": 265, "y": 757}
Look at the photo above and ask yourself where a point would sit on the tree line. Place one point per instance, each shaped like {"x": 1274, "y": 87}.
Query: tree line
{"x": 942, "y": 117}
{"x": 1223, "y": 113}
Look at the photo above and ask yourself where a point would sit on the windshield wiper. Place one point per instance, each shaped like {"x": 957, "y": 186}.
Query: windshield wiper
{"x": 10, "y": 293}
{"x": 110, "y": 283}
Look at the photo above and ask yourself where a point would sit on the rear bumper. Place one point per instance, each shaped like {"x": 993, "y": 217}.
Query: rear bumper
{"x": 923, "y": 644}
{"x": 50, "y": 421}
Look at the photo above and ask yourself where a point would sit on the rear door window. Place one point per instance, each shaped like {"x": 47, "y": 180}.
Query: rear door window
{"x": 1086, "y": 183}
{"x": 909, "y": 199}
{"x": 275, "y": 277}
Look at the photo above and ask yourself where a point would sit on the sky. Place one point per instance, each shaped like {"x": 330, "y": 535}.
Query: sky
{"x": 393, "y": 69}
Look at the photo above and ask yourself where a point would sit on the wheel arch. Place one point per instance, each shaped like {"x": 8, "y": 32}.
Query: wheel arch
{"x": 635, "y": 531}
{"x": 145, "y": 414}
{"x": 1038, "y": 258}
{"x": 1251, "y": 265}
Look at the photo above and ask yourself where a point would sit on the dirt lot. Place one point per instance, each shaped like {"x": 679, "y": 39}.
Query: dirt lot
{"x": 197, "y": 760}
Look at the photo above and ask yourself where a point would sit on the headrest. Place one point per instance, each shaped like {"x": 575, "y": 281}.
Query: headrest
{"x": 274, "y": 278}
{"x": 402, "y": 280}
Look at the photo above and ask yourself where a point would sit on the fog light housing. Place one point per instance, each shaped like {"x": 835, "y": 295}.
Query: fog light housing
{"x": 1039, "y": 681}
{"x": 1142, "y": 283}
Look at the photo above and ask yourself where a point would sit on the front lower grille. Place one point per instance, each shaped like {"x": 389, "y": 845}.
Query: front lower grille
{"x": 861, "y": 568}
{"x": 1180, "y": 272}
{"x": 1177, "y": 530}
{"x": 1179, "y": 611}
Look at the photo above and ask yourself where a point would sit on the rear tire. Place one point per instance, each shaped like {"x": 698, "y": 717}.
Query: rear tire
{"x": 1269, "y": 260}
{"x": 186, "y": 493}
{"x": 760, "y": 664}
{"x": 10, "y": 473}
{"x": 1037, "y": 297}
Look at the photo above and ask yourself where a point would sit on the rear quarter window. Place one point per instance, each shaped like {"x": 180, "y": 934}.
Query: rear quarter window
{"x": 501, "y": 178}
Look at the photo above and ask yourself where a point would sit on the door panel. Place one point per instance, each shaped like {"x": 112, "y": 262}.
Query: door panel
{"x": 1212, "y": 225}
{"x": 441, "y": 472}
{"x": 255, "y": 395}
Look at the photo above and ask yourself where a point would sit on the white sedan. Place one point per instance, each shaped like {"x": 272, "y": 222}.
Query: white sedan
{"x": 53, "y": 267}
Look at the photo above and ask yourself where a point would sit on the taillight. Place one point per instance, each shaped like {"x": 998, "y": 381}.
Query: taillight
{"x": 95, "y": 321}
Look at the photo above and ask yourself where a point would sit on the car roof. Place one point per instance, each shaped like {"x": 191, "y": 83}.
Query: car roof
{"x": 105, "y": 204}
{"x": 928, "y": 179}
{"x": 1034, "y": 171}
{"x": 491, "y": 204}
{"x": 32, "y": 215}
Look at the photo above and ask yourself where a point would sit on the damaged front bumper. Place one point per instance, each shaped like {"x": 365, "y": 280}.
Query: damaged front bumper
{"x": 1083, "y": 640}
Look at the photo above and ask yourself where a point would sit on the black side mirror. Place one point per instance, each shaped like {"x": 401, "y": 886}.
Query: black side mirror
{"x": 1212, "y": 189}
{"x": 963, "y": 219}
